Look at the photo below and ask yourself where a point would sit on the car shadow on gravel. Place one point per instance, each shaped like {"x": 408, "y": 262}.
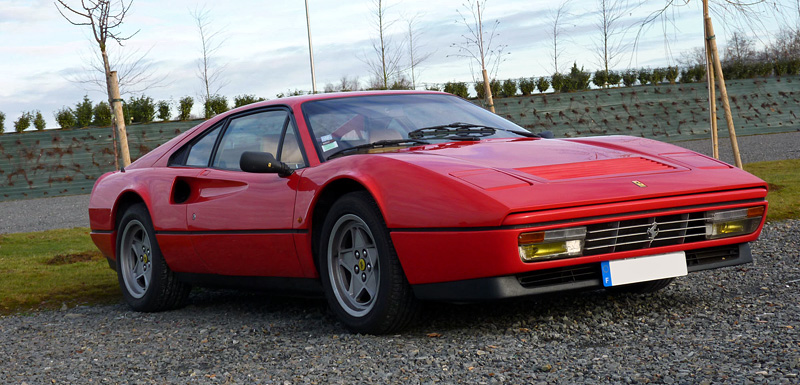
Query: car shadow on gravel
{"x": 304, "y": 315}
{"x": 570, "y": 307}
{"x": 265, "y": 305}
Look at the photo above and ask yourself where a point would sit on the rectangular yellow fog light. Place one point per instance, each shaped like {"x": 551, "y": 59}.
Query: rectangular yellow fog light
{"x": 551, "y": 244}
{"x": 730, "y": 223}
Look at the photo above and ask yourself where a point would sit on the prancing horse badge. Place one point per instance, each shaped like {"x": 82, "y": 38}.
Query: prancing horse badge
{"x": 640, "y": 184}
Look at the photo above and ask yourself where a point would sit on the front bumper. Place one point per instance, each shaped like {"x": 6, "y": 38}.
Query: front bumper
{"x": 442, "y": 255}
{"x": 586, "y": 276}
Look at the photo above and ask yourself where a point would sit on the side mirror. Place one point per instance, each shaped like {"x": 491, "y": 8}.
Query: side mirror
{"x": 263, "y": 163}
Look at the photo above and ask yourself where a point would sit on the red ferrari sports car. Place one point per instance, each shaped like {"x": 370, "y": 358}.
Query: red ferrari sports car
{"x": 383, "y": 199}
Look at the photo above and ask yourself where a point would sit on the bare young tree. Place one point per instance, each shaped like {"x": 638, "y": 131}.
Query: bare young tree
{"x": 209, "y": 72}
{"x": 135, "y": 72}
{"x": 737, "y": 14}
{"x": 345, "y": 84}
{"x": 558, "y": 17}
{"x": 416, "y": 56}
{"x": 750, "y": 17}
{"x": 610, "y": 44}
{"x": 695, "y": 56}
{"x": 479, "y": 45}
{"x": 786, "y": 45}
{"x": 105, "y": 17}
{"x": 739, "y": 49}
{"x": 385, "y": 61}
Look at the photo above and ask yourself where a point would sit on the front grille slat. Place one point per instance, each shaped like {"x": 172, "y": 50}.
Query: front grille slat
{"x": 681, "y": 230}
{"x": 646, "y": 225}
{"x": 643, "y": 233}
{"x": 681, "y": 237}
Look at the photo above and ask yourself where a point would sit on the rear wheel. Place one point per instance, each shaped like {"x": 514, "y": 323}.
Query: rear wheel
{"x": 362, "y": 277}
{"x": 146, "y": 281}
{"x": 644, "y": 287}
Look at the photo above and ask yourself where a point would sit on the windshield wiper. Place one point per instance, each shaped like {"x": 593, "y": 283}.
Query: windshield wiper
{"x": 461, "y": 131}
{"x": 378, "y": 144}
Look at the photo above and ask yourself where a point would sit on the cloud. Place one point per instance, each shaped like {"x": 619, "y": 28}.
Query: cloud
{"x": 16, "y": 12}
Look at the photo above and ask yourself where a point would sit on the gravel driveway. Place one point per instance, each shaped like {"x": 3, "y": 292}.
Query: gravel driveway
{"x": 734, "y": 325}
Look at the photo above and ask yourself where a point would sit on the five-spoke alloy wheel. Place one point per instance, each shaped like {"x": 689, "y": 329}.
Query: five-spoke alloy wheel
{"x": 135, "y": 259}
{"x": 354, "y": 265}
{"x": 146, "y": 281}
{"x": 361, "y": 275}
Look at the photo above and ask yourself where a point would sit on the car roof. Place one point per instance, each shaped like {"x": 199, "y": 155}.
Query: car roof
{"x": 295, "y": 100}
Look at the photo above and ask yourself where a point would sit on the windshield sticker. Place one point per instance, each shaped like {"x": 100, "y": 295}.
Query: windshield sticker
{"x": 326, "y": 138}
{"x": 329, "y": 145}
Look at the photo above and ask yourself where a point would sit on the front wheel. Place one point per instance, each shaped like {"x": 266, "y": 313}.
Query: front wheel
{"x": 362, "y": 277}
{"x": 146, "y": 281}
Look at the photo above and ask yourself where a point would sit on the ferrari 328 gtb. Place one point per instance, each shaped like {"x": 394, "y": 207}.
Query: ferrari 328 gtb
{"x": 381, "y": 200}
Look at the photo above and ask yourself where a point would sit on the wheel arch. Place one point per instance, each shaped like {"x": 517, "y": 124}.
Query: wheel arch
{"x": 125, "y": 200}
{"x": 325, "y": 200}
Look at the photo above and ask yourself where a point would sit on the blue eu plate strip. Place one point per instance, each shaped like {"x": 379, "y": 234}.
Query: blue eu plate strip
{"x": 606, "y": 269}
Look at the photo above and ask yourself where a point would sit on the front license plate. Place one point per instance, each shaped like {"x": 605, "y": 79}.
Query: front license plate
{"x": 640, "y": 269}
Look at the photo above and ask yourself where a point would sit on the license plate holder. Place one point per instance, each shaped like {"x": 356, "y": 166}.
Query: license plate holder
{"x": 641, "y": 269}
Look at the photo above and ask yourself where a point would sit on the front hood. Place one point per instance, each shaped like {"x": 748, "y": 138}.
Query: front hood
{"x": 527, "y": 152}
{"x": 536, "y": 174}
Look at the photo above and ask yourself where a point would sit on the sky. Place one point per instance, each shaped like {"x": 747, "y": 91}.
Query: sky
{"x": 264, "y": 48}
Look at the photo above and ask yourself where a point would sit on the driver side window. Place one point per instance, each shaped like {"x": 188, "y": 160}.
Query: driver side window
{"x": 261, "y": 132}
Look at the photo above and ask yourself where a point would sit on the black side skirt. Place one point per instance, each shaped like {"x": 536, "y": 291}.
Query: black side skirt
{"x": 279, "y": 285}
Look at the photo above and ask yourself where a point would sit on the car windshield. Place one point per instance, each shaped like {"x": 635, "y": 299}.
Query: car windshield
{"x": 346, "y": 123}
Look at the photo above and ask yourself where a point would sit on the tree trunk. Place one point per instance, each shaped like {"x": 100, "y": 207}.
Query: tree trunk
{"x": 723, "y": 92}
{"x": 712, "y": 96}
{"x": 383, "y": 46}
{"x": 107, "y": 69}
{"x": 488, "y": 90}
{"x": 119, "y": 117}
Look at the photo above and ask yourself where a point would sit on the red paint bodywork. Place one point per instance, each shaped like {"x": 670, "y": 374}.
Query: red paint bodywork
{"x": 454, "y": 210}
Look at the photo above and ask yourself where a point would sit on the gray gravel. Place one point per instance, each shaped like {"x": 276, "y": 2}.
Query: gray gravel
{"x": 734, "y": 325}
{"x": 23, "y": 216}
{"x": 753, "y": 148}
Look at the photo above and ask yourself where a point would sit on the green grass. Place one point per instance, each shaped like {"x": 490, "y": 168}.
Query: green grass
{"x": 45, "y": 270}
{"x": 783, "y": 177}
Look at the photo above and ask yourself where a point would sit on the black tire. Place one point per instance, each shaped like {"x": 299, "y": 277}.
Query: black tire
{"x": 643, "y": 287}
{"x": 147, "y": 283}
{"x": 373, "y": 296}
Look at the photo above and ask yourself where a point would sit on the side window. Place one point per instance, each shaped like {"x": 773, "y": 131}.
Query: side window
{"x": 290, "y": 151}
{"x": 199, "y": 153}
{"x": 256, "y": 132}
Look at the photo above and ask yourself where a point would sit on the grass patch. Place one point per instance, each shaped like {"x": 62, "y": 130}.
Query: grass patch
{"x": 66, "y": 259}
{"x": 783, "y": 178}
{"x": 44, "y": 270}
